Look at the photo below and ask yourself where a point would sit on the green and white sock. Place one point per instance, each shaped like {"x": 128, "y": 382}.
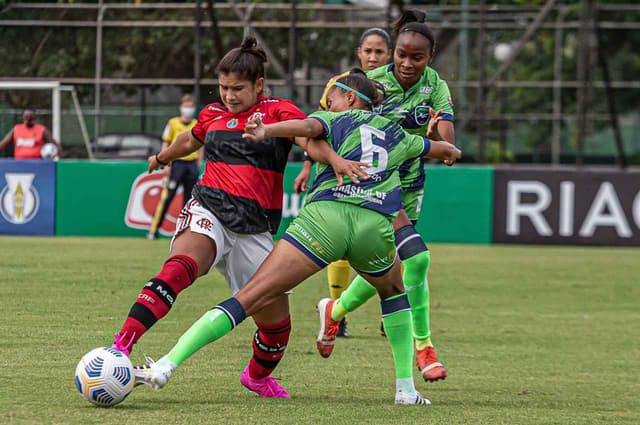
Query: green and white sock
{"x": 417, "y": 289}
{"x": 358, "y": 293}
{"x": 396, "y": 315}
{"x": 213, "y": 325}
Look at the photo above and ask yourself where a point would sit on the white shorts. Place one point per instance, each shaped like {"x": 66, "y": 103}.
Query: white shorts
{"x": 238, "y": 256}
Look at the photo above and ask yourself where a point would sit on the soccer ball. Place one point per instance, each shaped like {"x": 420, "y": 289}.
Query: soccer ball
{"x": 104, "y": 376}
{"x": 49, "y": 151}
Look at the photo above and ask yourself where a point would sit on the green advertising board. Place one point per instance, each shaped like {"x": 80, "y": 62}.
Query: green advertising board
{"x": 92, "y": 197}
{"x": 119, "y": 198}
{"x": 457, "y": 205}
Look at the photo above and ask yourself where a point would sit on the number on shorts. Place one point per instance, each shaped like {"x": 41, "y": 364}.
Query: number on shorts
{"x": 369, "y": 149}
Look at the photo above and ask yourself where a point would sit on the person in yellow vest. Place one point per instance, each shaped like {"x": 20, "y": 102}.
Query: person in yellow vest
{"x": 183, "y": 171}
{"x": 28, "y": 138}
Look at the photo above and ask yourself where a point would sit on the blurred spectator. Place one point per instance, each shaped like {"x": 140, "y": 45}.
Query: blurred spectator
{"x": 28, "y": 138}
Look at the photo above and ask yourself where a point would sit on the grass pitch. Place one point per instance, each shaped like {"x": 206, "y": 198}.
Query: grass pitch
{"x": 530, "y": 335}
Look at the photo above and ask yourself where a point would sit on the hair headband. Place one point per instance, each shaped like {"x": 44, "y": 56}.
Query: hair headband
{"x": 356, "y": 92}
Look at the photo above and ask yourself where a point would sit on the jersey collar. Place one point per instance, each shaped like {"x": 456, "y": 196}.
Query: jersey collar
{"x": 410, "y": 90}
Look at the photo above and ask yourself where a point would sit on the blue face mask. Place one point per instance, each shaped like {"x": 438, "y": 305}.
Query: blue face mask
{"x": 187, "y": 111}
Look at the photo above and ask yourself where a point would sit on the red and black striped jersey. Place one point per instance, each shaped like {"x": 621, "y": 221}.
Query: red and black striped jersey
{"x": 242, "y": 180}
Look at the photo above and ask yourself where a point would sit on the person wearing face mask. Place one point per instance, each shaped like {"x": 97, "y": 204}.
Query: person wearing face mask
{"x": 183, "y": 171}
{"x": 29, "y": 137}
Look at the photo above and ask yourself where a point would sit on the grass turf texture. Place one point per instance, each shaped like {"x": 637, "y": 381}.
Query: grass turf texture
{"x": 540, "y": 335}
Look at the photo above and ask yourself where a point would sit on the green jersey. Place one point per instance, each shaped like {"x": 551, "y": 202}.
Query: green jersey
{"x": 368, "y": 137}
{"x": 410, "y": 109}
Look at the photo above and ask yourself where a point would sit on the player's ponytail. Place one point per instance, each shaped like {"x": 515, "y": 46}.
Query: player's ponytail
{"x": 246, "y": 61}
{"x": 415, "y": 21}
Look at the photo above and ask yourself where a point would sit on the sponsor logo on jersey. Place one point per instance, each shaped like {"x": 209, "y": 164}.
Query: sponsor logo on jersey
{"x": 233, "y": 123}
{"x": 19, "y": 200}
{"x": 25, "y": 143}
{"x": 145, "y": 195}
{"x": 426, "y": 90}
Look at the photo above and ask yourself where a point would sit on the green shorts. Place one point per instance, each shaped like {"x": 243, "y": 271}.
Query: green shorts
{"x": 412, "y": 202}
{"x": 326, "y": 231}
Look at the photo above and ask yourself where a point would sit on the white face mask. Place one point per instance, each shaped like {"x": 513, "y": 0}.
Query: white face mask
{"x": 187, "y": 112}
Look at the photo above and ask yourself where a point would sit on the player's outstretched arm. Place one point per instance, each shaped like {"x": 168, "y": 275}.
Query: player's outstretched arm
{"x": 444, "y": 151}
{"x": 256, "y": 131}
{"x": 184, "y": 145}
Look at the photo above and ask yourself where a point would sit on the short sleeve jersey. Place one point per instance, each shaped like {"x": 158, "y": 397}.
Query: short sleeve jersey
{"x": 410, "y": 109}
{"x": 365, "y": 136}
{"x": 242, "y": 180}
{"x": 28, "y": 141}
{"x": 174, "y": 127}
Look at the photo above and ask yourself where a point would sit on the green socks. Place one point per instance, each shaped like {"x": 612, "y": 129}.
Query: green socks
{"x": 396, "y": 315}
{"x": 214, "y": 324}
{"x": 416, "y": 287}
{"x": 358, "y": 293}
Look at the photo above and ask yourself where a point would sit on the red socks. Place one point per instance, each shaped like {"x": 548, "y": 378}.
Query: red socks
{"x": 269, "y": 343}
{"x": 157, "y": 297}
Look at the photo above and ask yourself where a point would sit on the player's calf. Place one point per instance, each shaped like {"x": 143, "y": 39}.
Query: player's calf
{"x": 156, "y": 299}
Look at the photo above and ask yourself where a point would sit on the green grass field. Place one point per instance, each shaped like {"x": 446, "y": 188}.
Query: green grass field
{"x": 537, "y": 335}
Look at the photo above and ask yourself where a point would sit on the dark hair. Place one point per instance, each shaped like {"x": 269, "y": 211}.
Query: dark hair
{"x": 357, "y": 80}
{"x": 247, "y": 61}
{"x": 376, "y": 31}
{"x": 415, "y": 21}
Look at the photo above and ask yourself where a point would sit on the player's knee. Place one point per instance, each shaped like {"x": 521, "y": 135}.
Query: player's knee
{"x": 409, "y": 243}
{"x": 179, "y": 271}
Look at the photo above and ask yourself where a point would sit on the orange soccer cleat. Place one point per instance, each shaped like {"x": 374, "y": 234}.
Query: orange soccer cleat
{"x": 427, "y": 361}
{"x": 328, "y": 328}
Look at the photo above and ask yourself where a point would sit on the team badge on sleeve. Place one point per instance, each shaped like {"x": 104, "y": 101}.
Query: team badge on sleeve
{"x": 232, "y": 123}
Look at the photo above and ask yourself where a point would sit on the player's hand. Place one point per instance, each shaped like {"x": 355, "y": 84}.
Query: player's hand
{"x": 352, "y": 169}
{"x": 451, "y": 154}
{"x": 254, "y": 130}
{"x": 154, "y": 164}
{"x": 300, "y": 183}
{"x": 432, "y": 127}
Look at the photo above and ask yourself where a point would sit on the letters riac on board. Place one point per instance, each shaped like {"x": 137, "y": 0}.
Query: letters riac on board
{"x": 567, "y": 207}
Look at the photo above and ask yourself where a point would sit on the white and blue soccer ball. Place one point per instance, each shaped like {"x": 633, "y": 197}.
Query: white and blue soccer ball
{"x": 49, "y": 151}
{"x": 104, "y": 376}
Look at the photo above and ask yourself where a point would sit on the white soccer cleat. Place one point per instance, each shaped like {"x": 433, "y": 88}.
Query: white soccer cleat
{"x": 153, "y": 374}
{"x": 415, "y": 398}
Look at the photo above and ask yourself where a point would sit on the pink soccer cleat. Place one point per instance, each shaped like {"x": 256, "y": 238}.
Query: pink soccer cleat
{"x": 264, "y": 387}
{"x": 119, "y": 345}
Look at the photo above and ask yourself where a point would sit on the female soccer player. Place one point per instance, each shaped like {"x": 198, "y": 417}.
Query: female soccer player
{"x": 374, "y": 50}
{"x": 352, "y": 221}
{"x": 232, "y": 211}
{"x": 412, "y": 89}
